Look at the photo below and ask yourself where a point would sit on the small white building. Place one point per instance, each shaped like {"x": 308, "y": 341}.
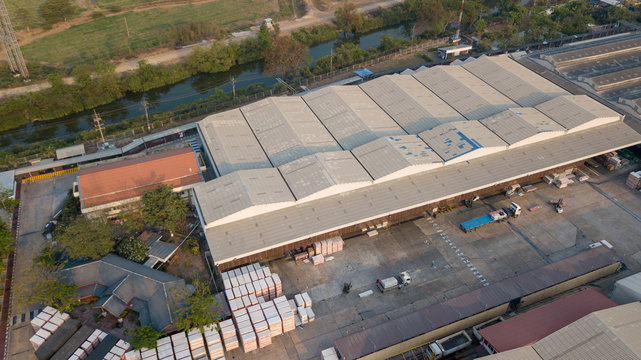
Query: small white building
{"x": 7, "y": 181}
{"x": 454, "y": 51}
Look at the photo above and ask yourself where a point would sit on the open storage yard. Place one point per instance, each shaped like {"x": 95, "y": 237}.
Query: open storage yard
{"x": 496, "y": 252}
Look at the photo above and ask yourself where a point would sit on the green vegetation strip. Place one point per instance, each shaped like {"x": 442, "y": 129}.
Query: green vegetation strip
{"x": 107, "y": 37}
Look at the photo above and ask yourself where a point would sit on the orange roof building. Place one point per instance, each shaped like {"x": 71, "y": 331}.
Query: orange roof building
{"x": 111, "y": 186}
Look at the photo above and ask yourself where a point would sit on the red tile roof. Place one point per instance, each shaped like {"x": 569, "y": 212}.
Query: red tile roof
{"x": 126, "y": 179}
{"x": 527, "y": 328}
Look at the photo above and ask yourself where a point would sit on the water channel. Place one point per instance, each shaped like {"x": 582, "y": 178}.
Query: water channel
{"x": 168, "y": 97}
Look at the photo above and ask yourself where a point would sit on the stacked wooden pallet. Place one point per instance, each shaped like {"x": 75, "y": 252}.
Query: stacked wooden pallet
{"x": 329, "y": 246}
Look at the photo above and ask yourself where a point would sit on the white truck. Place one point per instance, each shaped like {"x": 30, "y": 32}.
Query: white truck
{"x": 394, "y": 282}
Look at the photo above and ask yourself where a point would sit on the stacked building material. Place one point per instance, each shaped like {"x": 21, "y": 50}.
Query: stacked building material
{"x": 307, "y": 301}
{"x": 196, "y": 344}
{"x": 329, "y": 246}
{"x": 287, "y": 317}
{"x": 213, "y": 343}
{"x": 329, "y": 354}
{"x": 318, "y": 259}
{"x": 228, "y": 333}
{"x": 634, "y": 180}
{"x": 264, "y": 338}
{"x": 150, "y": 354}
{"x": 45, "y": 324}
{"x": 246, "y": 285}
{"x": 302, "y": 315}
{"x": 133, "y": 355}
{"x": 165, "y": 348}
{"x": 118, "y": 351}
{"x": 248, "y": 341}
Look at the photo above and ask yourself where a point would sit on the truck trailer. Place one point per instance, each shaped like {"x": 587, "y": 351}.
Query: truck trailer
{"x": 494, "y": 216}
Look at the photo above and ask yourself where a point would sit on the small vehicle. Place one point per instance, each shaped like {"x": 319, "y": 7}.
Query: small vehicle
{"x": 385, "y": 285}
{"x": 50, "y": 227}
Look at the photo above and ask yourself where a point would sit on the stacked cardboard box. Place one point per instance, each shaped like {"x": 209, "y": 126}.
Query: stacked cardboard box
{"x": 329, "y": 354}
{"x": 329, "y": 246}
{"x": 213, "y": 342}
{"x": 45, "y": 324}
{"x": 118, "y": 351}
{"x": 634, "y": 180}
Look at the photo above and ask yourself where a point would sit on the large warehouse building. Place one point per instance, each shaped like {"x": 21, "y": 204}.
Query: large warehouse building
{"x": 341, "y": 159}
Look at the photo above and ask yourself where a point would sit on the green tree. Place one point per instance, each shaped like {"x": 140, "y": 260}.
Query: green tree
{"x": 264, "y": 38}
{"x": 285, "y": 57}
{"x": 7, "y": 201}
{"x": 70, "y": 209}
{"x": 25, "y": 18}
{"x": 432, "y": 15}
{"x": 6, "y": 242}
{"x": 145, "y": 337}
{"x": 196, "y": 310}
{"x": 163, "y": 208}
{"x": 86, "y": 238}
{"x": 217, "y": 57}
{"x": 479, "y": 26}
{"x": 347, "y": 19}
{"x": 53, "y": 11}
{"x": 133, "y": 249}
{"x": 46, "y": 286}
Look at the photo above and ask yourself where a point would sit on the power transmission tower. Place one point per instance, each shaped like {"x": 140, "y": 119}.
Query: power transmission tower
{"x": 10, "y": 44}
{"x": 98, "y": 121}
{"x": 145, "y": 104}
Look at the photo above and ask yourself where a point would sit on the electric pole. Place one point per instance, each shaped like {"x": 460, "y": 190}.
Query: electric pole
{"x": 98, "y": 121}
{"x": 145, "y": 104}
{"x": 331, "y": 60}
{"x": 10, "y": 44}
{"x": 233, "y": 86}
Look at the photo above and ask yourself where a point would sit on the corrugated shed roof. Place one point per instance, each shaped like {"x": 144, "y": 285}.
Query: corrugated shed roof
{"x": 241, "y": 190}
{"x": 351, "y": 116}
{"x": 627, "y": 289}
{"x": 534, "y": 325}
{"x": 432, "y": 317}
{"x": 585, "y": 54}
{"x": 231, "y": 142}
{"x": 312, "y": 174}
{"x": 510, "y": 126}
{"x": 390, "y": 154}
{"x": 300, "y": 221}
{"x": 514, "y": 80}
{"x": 69, "y": 151}
{"x": 454, "y": 139}
{"x": 410, "y": 103}
{"x": 126, "y": 179}
{"x": 463, "y": 91}
{"x": 574, "y": 111}
{"x": 287, "y": 129}
{"x": 522, "y": 353}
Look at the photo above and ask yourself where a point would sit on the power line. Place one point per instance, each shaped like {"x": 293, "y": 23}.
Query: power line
{"x": 10, "y": 44}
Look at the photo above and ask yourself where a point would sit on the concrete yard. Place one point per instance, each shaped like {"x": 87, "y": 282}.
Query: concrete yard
{"x": 494, "y": 252}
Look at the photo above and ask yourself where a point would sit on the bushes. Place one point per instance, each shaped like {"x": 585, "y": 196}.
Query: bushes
{"x": 194, "y": 32}
{"x": 316, "y": 35}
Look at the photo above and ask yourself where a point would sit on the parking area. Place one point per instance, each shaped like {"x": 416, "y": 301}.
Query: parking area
{"x": 604, "y": 209}
{"x": 39, "y": 202}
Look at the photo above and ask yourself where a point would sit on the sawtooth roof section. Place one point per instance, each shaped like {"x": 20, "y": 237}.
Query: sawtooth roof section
{"x": 522, "y": 126}
{"x": 231, "y": 143}
{"x": 395, "y": 156}
{"x": 324, "y": 174}
{"x": 463, "y": 91}
{"x": 410, "y": 103}
{"x": 523, "y": 86}
{"x": 462, "y": 140}
{"x": 242, "y": 194}
{"x": 578, "y": 112}
{"x": 287, "y": 129}
{"x": 593, "y": 52}
{"x": 278, "y": 228}
{"x": 350, "y": 115}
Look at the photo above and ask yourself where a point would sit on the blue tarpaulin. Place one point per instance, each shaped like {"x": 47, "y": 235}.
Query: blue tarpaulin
{"x": 363, "y": 73}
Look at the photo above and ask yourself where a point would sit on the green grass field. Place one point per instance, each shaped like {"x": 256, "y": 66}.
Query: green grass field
{"x": 106, "y": 4}
{"x": 30, "y": 5}
{"x": 107, "y": 37}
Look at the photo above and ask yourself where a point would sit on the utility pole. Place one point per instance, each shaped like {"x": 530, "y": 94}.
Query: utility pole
{"x": 10, "y": 44}
{"x": 98, "y": 121}
{"x": 457, "y": 38}
{"x": 145, "y": 104}
{"x": 233, "y": 86}
{"x": 331, "y": 59}
{"x": 127, "y": 27}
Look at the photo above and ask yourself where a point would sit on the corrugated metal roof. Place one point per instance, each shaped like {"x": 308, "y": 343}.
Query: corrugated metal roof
{"x": 315, "y": 173}
{"x": 126, "y": 179}
{"x": 514, "y": 80}
{"x": 585, "y": 54}
{"x": 410, "y": 103}
{"x": 351, "y": 116}
{"x": 601, "y": 82}
{"x": 522, "y": 353}
{"x": 365, "y": 342}
{"x": 232, "y": 143}
{"x": 577, "y": 111}
{"x": 627, "y": 289}
{"x": 69, "y": 151}
{"x": 519, "y": 124}
{"x": 241, "y": 190}
{"x": 7, "y": 180}
{"x": 527, "y": 328}
{"x": 390, "y": 154}
{"x": 463, "y": 91}
{"x": 458, "y": 138}
{"x": 238, "y": 239}
{"x": 287, "y": 129}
